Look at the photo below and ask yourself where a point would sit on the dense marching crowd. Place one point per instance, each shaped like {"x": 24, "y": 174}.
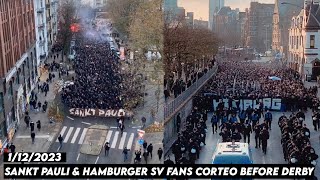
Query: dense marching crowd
{"x": 235, "y": 124}
{"x": 98, "y": 81}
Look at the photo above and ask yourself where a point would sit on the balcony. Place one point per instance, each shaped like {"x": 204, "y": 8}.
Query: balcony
{"x": 41, "y": 26}
{"x": 40, "y": 10}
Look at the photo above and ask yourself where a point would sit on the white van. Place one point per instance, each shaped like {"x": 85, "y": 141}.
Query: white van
{"x": 232, "y": 153}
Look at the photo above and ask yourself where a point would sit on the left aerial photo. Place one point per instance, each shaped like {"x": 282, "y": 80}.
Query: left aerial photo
{"x": 82, "y": 77}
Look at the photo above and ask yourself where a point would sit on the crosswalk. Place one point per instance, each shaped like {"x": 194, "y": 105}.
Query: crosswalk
{"x": 74, "y": 135}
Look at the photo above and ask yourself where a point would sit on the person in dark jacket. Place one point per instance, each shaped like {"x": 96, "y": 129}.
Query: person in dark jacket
{"x": 150, "y": 149}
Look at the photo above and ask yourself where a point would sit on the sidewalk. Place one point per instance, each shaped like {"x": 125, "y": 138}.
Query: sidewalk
{"x": 150, "y": 105}
{"x": 48, "y": 132}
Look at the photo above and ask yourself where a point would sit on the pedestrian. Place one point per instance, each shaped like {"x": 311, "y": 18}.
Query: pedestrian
{"x": 257, "y": 130}
{"x": 145, "y": 145}
{"x": 122, "y": 127}
{"x": 214, "y": 122}
{"x": 27, "y": 120}
{"x": 150, "y": 149}
{"x": 178, "y": 122}
{"x": 38, "y": 125}
{"x": 247, "y": 130}
{"x": 264, "y": 136}
{"x": 268, "y": 118}
{"x": 143, "y": 122}
{"x": 145, "y": 155}
{"x": 60, "y": 139}
{"x": 32, "y": 126}
{"x": 160, "y": 152}
{"x": 12, "y": 148}
{"x": 125, "y": 154}
{"x": 106, "y": 149}
{"x": 33, "y": 135}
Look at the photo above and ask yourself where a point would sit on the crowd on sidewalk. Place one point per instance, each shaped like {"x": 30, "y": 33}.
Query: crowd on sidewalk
{"x": 235, "y": 124}
{"x": 175, "y": 86}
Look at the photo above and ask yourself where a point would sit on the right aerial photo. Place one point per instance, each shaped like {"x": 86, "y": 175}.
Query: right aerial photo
{"x": 241, "y": 82}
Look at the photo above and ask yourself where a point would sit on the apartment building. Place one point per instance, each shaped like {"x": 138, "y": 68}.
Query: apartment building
{"x": 259, "y": 24}
{"x": 304, "y": 41}
{"x": 18, "y": 64}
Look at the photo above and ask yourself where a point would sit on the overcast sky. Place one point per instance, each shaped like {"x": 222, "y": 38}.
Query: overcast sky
{"x": 201, "y": 9}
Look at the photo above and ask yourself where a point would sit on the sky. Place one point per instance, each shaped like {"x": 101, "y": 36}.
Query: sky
{"x": 201, "y": 9}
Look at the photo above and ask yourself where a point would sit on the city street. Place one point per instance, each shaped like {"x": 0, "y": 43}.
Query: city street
{"x": 75, "y": 131}
{"x": 274, "y": 152}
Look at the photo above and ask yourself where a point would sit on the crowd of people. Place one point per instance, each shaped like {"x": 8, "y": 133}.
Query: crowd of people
{"x": 98, "y": 81}
{"x": 175, "y": 86}
{"x": 238, "y": 79}
{"x": 295, "y": 140}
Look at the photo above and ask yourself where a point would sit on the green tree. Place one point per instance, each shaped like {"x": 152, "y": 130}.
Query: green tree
{"x": 120, "y": 12}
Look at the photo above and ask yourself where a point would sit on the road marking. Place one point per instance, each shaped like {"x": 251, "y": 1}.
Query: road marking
{"x": 130, "y": 141}
{"x": 97, "y": 160}
{"x": 83, "y": 135}
{"x": 70, "y": 118}
{"x": 108, "y": 136}
{"x": 78, "y": 156}
{"x": 136, "y": 127}
{"x": 86, "y": 123}
{"x": 62, "y": 132}
{"x": 123, "y": 138}
{"x": 37, "y": 136}
{"x": 263, "y": 159}
{"x": 75, "y": 135}
{"x": 113, "y": 127}
{"x": 68, "y": 135}
{"x": 115, "y": 139}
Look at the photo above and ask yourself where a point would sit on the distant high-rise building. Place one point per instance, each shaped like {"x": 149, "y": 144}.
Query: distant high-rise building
{"x": 170, "y": 5}
{"x": 259, "y": 26}
{"x": 189, "y": 19}
{"x": 214, "y": 7}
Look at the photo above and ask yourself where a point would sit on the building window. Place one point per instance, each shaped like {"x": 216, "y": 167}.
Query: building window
{"x": 312, "y": 41}
{"x": 1, "y": 102}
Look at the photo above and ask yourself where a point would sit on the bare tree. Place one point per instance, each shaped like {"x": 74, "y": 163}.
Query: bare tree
{"x": 67, "y": 17}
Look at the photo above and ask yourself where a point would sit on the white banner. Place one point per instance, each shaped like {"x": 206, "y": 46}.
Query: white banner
{"x": 247, "y": 103}
{"x": 241, "y": 104}
{"x": 267, "y": 102}
{"x": 225, "y": 103}
{"x": 276, "y": 104}
{"x": 256, "y": 104}
{"x": 215, "y": 104}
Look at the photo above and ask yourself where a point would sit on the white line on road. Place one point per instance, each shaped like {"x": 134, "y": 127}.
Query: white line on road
{"x": 114, "y": 142}
{"x": 108, "y": 136}
{"x": 136, "y": 127}
{"x": 68, "y": 135}
{"x": 70, "y": 118}
{"x": 113, "y": 127}
{"x": 86, "y": 123}
{"x": 78, "y": 156}
{"x": 123, "y": 138}
{"x": 130, "y": 141}
{"x": 75, "y": 135}
{"x": 62, "y": 132}
{"x": 97, "y": 160}
{"x": 83, "y": 135}
{"x": 37, "y": 136}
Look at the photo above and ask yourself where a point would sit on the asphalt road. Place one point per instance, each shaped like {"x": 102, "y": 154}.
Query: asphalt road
{"x": 74, "y": 131}
{"x": 274, "y": 152}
